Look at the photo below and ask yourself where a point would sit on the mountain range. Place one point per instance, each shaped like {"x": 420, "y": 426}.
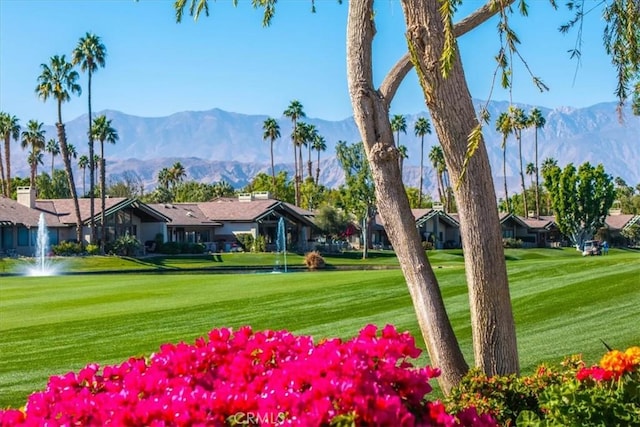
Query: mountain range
{"x": 217, "y": 145}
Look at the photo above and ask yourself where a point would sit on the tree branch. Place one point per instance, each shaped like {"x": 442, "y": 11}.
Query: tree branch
{"x": 396, "y": 75}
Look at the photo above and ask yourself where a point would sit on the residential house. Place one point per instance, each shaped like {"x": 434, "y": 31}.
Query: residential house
{"x": 218, "y": 223}
{"x": 19, "y": 220}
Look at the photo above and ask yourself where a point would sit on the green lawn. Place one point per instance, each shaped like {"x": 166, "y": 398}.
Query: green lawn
{"x": 563, "y": 304}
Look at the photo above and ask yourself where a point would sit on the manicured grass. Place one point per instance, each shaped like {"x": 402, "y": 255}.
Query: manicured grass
{"x": 563, "y": 304}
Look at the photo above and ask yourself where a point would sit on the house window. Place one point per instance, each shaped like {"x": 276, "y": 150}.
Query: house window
{"x": 23, "y": 236}
{"x": 7, "y": 238}
{"x": 507, "y": 234}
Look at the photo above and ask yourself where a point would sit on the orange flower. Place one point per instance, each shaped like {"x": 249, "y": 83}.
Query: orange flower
{"x": 617, "y": 362}
{"x": 634, "y": 354}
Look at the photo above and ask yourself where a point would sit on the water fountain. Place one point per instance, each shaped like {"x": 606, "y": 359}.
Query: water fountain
{"x": 42, "y": 265}
{"x": 281, "y": 247}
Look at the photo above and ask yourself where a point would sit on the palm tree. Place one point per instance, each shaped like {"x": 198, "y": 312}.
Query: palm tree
{"x": 520, "y": 121}
{"x": 59, "y": 80}
{"x": 312, "y": 133}
{"x": 531, "y": 172}
{"x": 164, "y": 178}
{"x": 52, "y": 148}
{"x": 176, "y": 174}
{"x": 33, "y": 138}
{"x": 436, "y": 156}
{"x": 421, "y": 128}
{"x": 34, "y": 158}
{"x": 271, "y": 132}
{"x": 73, "y": 153}
{"x": 9, "y": 128}
{"x": 319, "y": 145}
{"x": 402, "y": 154}
{"x": 83, "y": 163}
{"x": 103, "y": 132}
{"x": 537, "y": 121}
{"x": 90, "y": 53}
{"x": 295, "y": 111}
{"x": 504, "y": 126}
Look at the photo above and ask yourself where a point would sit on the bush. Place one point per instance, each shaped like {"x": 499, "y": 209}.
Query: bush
{"x": 246, "y": 241}
{"x": 259, "y": 245}
{"x": 313, "y": 260}
{"x": 170, "y": 248}
{"x": 512, "y": 243}
{"x": 126, "y": 245}
{"x": 570, "y": 394}
{"x": 237, "y": 375}
{"x": 427, "y": 245}
{"x": 92, "y": 249}
{"x": 607, "y": 394}
{"x": 67, "y": 249}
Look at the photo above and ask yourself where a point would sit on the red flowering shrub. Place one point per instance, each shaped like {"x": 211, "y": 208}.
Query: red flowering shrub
{"x": 251, "y": 378}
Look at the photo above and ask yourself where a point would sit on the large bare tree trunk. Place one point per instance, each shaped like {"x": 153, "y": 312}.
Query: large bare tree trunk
{"x": 453, "y": 115}
{"x": 372, "y": 118}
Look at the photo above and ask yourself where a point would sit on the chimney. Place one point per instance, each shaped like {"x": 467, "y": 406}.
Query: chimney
{"x": 27, "y": 196}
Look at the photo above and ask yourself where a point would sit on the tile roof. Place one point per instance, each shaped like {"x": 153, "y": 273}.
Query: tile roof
{"x": 618, "y": 222}
{"x": 184, "y": 213}
{"x": 65, "y": 211}
{"x": 235, "y": 210}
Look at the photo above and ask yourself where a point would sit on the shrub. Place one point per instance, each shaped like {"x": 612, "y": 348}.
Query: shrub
{"x": 245, "y": 240}
{"x": 511, "y": 243}
{"x": 313, "y": 260}
{"x": 260, "y": 244}
{"x": 607, "y": 394}
{"x": 92, "y": 249}
{"x": 233, "y": 376}
{"x": 570, "y": 394}
{"x": 67, "y": 249}
{"x": 170, "y": 248}
{"x": 427, "y": 245}
{"x": 126, "y": 245}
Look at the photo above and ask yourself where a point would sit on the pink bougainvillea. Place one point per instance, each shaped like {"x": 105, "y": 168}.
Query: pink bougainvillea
{"x": 269, "y": 378}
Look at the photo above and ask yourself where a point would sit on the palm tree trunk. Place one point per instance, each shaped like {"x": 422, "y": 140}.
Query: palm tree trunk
{"x": 92, "y": 167}
{"x": 103, "y": 233}
{"x": 504, "y": 173}
{"x": 318, "y": 170}
{"x": 309, "y": 163}
{"x": 2, "y": 177}
{"x": 62, "y": 136}
{"x": 537, "y": 182}
{"x": 273, "y": 169}
{"x": 421, "y": 171}
{"x": 524, "y": 190}
{"x": 7, "y": 159}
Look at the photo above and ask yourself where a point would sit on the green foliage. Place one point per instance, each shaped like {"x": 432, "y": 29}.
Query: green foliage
{"x": 504, "y": 397}
{"x": 427, "y": 245}
{"x": 92, "y": 249}
{"x": 580, "y": 198}
{"x": 175, "y": 248}
{"x": 511, "y": 243}
{"x": 67, "y": 249}
{"x": 313, "y": 260}
{"x": 332, "y": 222}
{"x": 129, "y": 185}
{"x": 53, "y": 188}
{"x": 246, "y": 241}
{"x": 126, "y": 245}
{"x": 193, "y": 191}
{"x": 259, "y": 244}
{"x": 284, "y": 189}
{"x": 417, "y": 202}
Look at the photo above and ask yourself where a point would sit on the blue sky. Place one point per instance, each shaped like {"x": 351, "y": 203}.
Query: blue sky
{"x": 156, "y": 67}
